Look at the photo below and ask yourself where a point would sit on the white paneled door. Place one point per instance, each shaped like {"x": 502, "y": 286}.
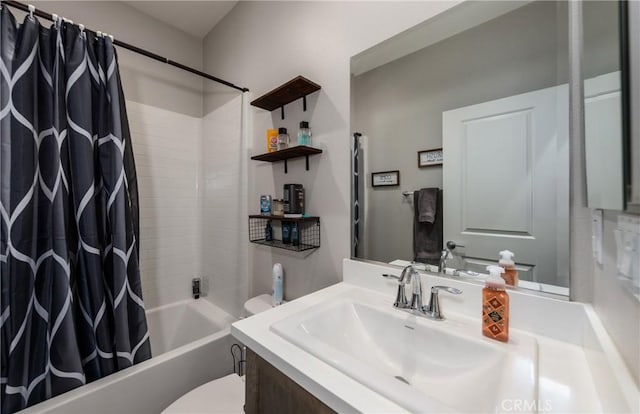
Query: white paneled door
{"x": 506, "y": 180}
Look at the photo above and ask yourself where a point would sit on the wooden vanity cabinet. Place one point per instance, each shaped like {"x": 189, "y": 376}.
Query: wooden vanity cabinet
{"x": 270, "y": 391}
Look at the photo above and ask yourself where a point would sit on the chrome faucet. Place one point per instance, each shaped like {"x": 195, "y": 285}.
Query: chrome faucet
{"x": 446, "y": 254}
{"x": 432, "y": 310}
{"x": 443, "y": 261}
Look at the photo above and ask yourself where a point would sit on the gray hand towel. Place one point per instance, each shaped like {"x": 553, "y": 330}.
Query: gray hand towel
{"x": 427, "y": 204}
{"x": 427, "y": 237}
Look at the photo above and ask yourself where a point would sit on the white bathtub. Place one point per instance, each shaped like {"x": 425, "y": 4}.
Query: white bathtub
{"x": 190, "y": 343}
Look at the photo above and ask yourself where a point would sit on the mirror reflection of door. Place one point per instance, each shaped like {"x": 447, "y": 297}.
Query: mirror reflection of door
{"x": 507, "y": 181}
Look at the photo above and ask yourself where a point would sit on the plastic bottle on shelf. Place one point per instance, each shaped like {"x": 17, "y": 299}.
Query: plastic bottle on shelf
{"x": 283, "y": 139}
{"x": 286, "y": 232}
{"x": 304, "y": 134}
{"x": 272, "y": 140}
{"x": 268, "y": 232}
{"x": 295, "y": 234}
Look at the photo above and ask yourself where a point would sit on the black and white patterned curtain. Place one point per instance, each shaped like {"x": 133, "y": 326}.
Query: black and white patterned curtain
{"x": 71, "y": 301}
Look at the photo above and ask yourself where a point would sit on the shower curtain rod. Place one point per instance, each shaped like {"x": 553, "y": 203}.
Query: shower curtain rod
{"x": 127, "y": 46}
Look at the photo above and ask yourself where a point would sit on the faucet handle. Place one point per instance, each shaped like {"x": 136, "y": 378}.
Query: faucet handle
{"x": 401, "y": 297}
{"x": 433, "y": 310}
{"x": 436, "y": 289}
{"x": 451, "y": 245}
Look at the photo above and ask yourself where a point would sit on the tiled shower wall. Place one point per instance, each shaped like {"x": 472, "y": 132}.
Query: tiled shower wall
{"x": 167, "y": 149}
{"x": 224, "y": 235}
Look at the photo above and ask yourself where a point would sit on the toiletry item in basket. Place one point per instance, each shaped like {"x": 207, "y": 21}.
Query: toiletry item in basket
{"x": 286, "y": 232}
{"x": 268, "y": 232}
{"x": 272, "y": 140}
{"x": 506, "y": 262}
{"x": 495, "y": 306}
{"x": 278, "y": 279}
{"x": 295, "y": 234}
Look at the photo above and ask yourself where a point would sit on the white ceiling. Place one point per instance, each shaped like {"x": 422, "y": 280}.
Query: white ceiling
{"x": 194, "y": 17}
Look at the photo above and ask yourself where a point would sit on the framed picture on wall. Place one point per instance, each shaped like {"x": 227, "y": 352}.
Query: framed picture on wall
{"x": 385, "y": 178}
{"x": 429, "y": 158}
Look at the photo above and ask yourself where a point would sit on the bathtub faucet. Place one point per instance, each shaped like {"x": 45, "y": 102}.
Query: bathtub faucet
{"x": 195, "y": 287}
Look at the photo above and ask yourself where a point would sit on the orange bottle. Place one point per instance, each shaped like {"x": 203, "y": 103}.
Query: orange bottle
{"x": 495, "y": 306}
{"x": 506, "y": 262}
{"x": 272, "y": 140}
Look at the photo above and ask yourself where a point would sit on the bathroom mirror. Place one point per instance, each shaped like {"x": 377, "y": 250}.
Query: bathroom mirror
{"x": 631, "y": 40}
{"x": 486, "y": 82}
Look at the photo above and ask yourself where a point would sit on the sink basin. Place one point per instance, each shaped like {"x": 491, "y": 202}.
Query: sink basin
{"x": 420, "y": 364}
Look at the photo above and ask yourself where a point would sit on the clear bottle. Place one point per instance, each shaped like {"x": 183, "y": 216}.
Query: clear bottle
{"x": 283, "y": 139}
{"x": 304, "y": 134}
{"x": 495, "y": 306}
{"x": 506, "y": 262}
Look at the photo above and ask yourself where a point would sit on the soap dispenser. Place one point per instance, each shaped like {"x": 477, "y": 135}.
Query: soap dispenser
{"x": 510, "y": 273}
{"x": 495, "y": 306}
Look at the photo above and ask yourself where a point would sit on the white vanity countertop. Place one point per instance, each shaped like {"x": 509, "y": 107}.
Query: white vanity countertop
{"x": 565, "y": 377}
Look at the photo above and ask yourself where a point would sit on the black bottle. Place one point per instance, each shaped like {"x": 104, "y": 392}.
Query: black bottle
{"x": 268, "y": 232}
{"x": 286, "y": 232}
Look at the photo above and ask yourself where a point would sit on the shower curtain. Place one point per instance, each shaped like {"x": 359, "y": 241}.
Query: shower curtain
{"x": 71, "y": 303}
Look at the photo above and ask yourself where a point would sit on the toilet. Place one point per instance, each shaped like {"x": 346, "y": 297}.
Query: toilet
{"x": 227, "y": 392}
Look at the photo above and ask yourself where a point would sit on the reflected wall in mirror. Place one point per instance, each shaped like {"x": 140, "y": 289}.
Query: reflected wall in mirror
{"x": 492, "y": 92}
{"x": 633, "y": 154}
{"x": 603, "y": 105}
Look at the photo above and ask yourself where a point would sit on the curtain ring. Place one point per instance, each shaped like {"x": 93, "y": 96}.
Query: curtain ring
{"x": 57, "y": 21}
{"x": 32, "y": 10}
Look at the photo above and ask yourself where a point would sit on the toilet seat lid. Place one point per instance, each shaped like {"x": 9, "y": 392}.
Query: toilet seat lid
{"x": 223, "y": 395}
{"x": 258, "y": 304}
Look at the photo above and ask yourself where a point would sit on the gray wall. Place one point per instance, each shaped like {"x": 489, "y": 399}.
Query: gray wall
{"x": 144, "y": 80}
{"x": 264, "y": 44}
{"x": 616, "y": 306}
{"x": 398, "y": 106}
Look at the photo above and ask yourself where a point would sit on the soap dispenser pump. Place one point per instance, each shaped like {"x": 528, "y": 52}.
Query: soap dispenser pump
{"x": 510, "y": 273}
{"x": 495, "y": 306}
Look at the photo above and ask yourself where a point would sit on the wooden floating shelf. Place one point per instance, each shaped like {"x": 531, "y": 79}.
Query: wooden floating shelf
{"x": 298, "y": 87}
{"x": 286, "y": 154}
